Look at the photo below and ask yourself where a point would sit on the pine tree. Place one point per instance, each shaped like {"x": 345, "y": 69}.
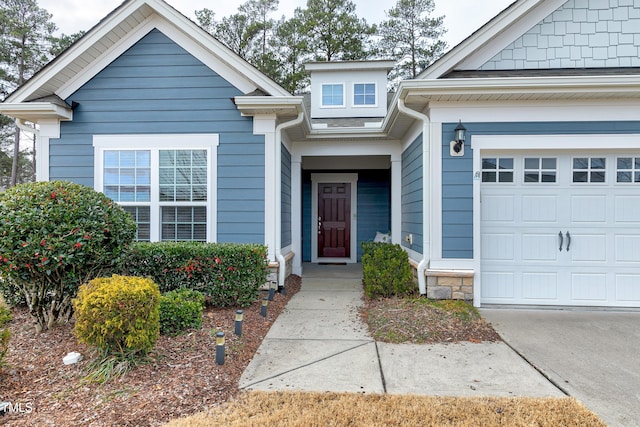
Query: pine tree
{"x": 411, "y": 37}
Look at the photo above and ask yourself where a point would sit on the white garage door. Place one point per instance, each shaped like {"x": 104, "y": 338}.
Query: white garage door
{"x": 560, "y": 229}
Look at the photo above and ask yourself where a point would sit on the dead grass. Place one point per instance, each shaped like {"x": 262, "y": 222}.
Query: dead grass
{"x": 289, "y": 409}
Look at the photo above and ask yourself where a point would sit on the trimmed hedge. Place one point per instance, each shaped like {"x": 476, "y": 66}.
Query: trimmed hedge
{"x": 386, "y": 270}
{"x": 226, "y": 274}
{"x": 180, "y": 310}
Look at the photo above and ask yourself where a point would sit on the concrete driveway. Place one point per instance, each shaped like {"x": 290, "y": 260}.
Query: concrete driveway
{"x": 592, "y": 355}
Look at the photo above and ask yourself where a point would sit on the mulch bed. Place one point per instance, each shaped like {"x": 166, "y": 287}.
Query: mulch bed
{"x": 418, "y": 321}
{"x": 181, "y": 377}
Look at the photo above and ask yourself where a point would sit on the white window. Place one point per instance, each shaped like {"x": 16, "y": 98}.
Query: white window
{"x": 628, "y": 169}
{"x": 497, "y": 169}
{"x": 538, "y": 169}
{"x": 332, "y": 95}
{"x": 364, "y": 94}
{"x": 166, "y": 182}
{"x": 589, "y": 169}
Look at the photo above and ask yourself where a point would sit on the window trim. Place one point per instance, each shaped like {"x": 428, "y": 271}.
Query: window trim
{"x": 154, "y": 143}
{"x": 375, "y": 94}
{"x": 323, "y": 105}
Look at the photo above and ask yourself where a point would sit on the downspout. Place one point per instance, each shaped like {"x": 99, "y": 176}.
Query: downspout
{"x": 23, "y": 127}
{"x": 426, "y": 191}
{"x": 278, "y": 195}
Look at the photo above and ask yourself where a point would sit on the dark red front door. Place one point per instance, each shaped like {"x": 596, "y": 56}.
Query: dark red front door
{"x": 334, "y": 220}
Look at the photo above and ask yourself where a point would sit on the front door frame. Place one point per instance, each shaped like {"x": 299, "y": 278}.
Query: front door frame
{"x": 349, "y": 178}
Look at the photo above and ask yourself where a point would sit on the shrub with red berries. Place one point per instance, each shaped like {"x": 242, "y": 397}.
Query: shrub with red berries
{"x": 54, "y": 236}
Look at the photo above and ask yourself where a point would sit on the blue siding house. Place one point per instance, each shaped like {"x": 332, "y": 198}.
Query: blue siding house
{"x": 509, "y": 170}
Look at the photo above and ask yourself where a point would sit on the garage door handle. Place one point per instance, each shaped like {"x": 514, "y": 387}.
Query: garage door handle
{"x": 568, "y": 241}
{"x": 561, "y": 241}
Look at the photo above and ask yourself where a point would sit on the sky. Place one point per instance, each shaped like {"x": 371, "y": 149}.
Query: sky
{"x": 462, "y": 17}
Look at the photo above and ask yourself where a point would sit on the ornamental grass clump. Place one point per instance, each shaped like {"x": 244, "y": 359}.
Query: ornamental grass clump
{"x": 120, "y": 317}
{"x": 55, "y": 236}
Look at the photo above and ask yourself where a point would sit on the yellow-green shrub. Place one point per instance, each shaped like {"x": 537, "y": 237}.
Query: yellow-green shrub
{"x": 118, "y": 314}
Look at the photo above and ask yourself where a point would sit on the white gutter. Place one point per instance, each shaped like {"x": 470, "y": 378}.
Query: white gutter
{"x": 23, "y": 127}
{"x": 426, "y": 191}
{"x": 278, "y": 195}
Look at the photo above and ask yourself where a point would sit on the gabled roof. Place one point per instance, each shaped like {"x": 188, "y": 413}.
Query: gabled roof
{"x": 122, "y": 28}
{"x": 492, "y": 37}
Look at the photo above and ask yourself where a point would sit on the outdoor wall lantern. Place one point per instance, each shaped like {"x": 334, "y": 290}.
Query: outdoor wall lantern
{"x": 457, "y": 145}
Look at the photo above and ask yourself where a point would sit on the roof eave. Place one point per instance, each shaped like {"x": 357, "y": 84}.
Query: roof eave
{"x": 627, "y": 84}
{"x": 36, "y": 111}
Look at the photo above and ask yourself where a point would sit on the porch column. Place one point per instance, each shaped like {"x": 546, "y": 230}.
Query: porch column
{"x": 296, "y": 213}
{"x": 396, "y": 199}
{"x": 265, "y": 124}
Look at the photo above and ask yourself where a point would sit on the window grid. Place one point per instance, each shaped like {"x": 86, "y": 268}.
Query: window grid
{"x": 184, "y": 223}
{"x": 364, "y": 94}
{"x": 497, "y": 169}
{"x": 183, "y": 175}
{"x": 540, "y": 169}
{"x": 127, "y": 175}
{"x": 628, "y": 170}
{"x": 589, "y": 169}
{"x": 332, "y": 95}
{"x": 142, "y": 216}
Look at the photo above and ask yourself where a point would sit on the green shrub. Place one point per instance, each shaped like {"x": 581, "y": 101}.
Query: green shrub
{"x": 11, "y": 293}
{"x": 119, "y": 315}
{"x": 386, "y": 270}
{"x": 180, "y": 310}
{"x": 226, "y": 274}
{"x": 55, "y": 236}
{"x": 5, "y": 334}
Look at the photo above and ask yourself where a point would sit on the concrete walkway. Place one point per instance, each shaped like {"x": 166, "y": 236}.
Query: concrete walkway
{"x": 319, "y": 343}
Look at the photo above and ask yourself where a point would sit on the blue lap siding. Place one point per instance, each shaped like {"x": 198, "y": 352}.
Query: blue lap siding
{"x": 285, "y": 203}
{"x": 158, "y": 87}
{"x": 457, "y": 172}
{"x": 412, "y": 195}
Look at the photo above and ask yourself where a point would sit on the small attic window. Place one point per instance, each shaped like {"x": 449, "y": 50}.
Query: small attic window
{"x": 364, "y": 94}
{"x": 332, "y": 95}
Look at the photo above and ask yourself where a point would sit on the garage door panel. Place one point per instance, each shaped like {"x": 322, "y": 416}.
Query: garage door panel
{"x": 589, "y": 209}
{"x": 588, "y": 247}
{"x": 540, "y": 285}
{"x": 497, "y": 285}
{"x": 498, "y": 247}
{"x": 627, "y": 209}
{"x": 573, "y": 241}
{"x": 498, "y": 208}
{"x": 589, "y": 286}
{"x": 628, "y": 288}
{"x": 539, "y": 247}
{"x": 539, "y": 208}
{"x": 627, "y": 248}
